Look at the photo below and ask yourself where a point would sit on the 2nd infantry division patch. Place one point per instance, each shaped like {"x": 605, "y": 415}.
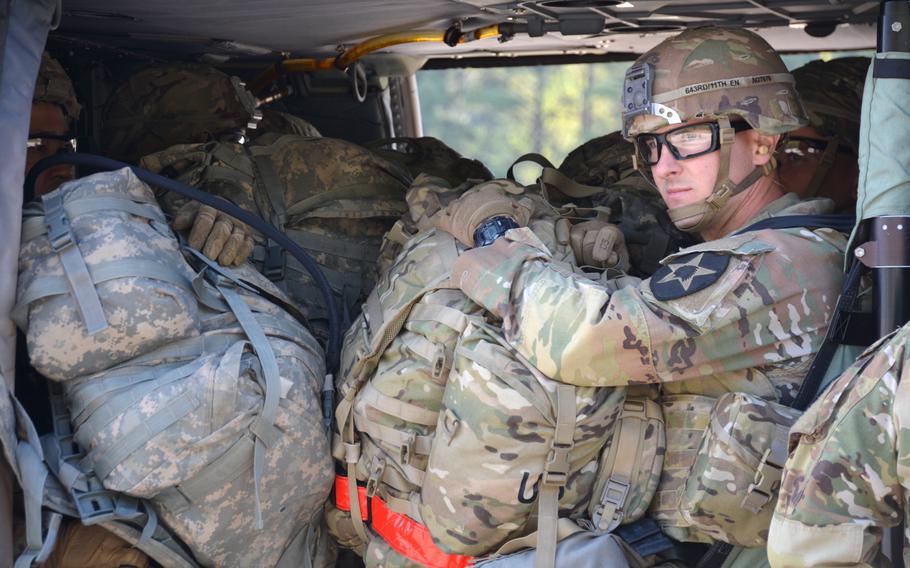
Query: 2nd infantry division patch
{"x": 688, "y": 274}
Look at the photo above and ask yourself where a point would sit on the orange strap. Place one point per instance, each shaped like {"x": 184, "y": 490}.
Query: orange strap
{"x": 405, "y": 535}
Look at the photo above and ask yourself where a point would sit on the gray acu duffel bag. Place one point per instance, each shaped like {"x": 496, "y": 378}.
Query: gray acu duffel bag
{"x": 218, "y": 424}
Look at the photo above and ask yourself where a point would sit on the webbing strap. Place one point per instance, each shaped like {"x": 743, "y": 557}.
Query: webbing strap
{"x": 409, "y": 444}
{"x": 105, "y": 461}
{"x": 567, "y": 185}
{"x": 231, "y": 464}
{"x": 436, "y": 354}
{"x": 456, "y": 320}
{"x": 821, "y": 170}
{"x": 356, "y": 191}
{"x": 532, "y": 157}
{"x": 262, "y": 427}
{"x": 64, "y": 244}
{"x": 33, "y": 227}
{"x": 405, "y": 535}
{"x": 47, "y": 286}
{"x": 555, "y": 476}
{"x": 625, "y": 457}
{"x": 398, "y": 408}
{"x": 33, "y": 475}
{"x": 94, "y": 406}
{"x": 336, "y": 245}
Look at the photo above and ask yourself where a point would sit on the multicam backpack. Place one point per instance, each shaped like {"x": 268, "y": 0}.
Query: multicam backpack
{"x": 332, "y": 197}
{"x": 218, "y": 425}
{"x": 396, "y": 362}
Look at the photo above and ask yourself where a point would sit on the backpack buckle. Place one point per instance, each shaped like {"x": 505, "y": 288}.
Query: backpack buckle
{"x": 273, "y": 265}
{"x": 556, "y": 470}
{"x": 763, "y": 487}
{"x": 376, "y": 470}
{"x": 407, "y": 448}
{"x": 609, "y": 511}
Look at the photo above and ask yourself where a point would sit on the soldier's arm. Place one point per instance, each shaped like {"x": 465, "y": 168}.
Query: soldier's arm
{"x": 846, "y": 481}
{"x": 732, "y": 309}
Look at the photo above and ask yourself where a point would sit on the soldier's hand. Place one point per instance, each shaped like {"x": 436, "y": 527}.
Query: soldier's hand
{"x": 599, "y": 244}
{"x": 217, "y": 235}
{"x": 464, "y": 215}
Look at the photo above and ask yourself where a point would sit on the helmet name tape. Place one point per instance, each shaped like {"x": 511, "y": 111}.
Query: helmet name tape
{"x": 717, "y": 84}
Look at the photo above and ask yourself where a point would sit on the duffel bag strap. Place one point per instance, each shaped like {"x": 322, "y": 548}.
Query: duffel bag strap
{"x": 555, "y": 476}
{"x": 63, "y": 242}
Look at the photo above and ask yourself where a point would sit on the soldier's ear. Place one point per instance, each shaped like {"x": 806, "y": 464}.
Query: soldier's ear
{"x": 762, "y": 146}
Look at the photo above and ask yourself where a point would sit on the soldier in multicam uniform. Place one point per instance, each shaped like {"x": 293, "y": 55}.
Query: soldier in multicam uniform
{"x": 820, "y": 159}
{"x": 847, "y": 480}
{"x": 745, "y": 311}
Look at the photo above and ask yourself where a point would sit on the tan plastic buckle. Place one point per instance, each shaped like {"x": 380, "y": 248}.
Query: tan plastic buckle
{"x": 376, "y": 470}
{"x": 764, "y": 486}
{"x": 556, "y": 470}
{"x": 407, "y": 448}
{"x": 613, "y": 498}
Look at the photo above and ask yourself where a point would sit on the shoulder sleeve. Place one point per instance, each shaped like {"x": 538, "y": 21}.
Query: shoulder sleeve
{"x": 846, "y": 478}
{"x": 724, "y": 306}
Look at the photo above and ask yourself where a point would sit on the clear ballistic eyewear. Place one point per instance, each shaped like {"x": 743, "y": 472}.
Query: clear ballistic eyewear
{"x": 49, "y": 144}
{"x": 685, "y": 142}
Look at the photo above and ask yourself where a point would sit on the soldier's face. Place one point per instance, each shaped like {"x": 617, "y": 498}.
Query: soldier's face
{"x": 684, "y": 182}
{"x": 798, "y": 167}
{"x": 47, "y": 118}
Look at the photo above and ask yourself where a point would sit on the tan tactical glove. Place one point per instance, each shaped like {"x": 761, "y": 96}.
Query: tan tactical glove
{"x": 462, "y": 217}
{"x": 599, "y": 244}
{"x": 218, "y": 236}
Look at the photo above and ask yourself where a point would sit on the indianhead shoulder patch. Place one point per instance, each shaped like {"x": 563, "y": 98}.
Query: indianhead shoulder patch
{"x": 688, "y": 274}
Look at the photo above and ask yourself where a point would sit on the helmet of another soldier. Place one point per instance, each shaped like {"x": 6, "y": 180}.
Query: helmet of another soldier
{"x": 832, "y": 94}
{"x": 54, "y": 86}
{"x": 183, "y": 103}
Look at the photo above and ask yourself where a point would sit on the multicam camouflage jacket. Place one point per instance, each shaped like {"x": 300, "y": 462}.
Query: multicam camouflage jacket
{"x": 743, "y": 313}
{"x": 848, "y": 476}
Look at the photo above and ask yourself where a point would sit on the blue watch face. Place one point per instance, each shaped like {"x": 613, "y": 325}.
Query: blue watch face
{"x": 492, "y": 229}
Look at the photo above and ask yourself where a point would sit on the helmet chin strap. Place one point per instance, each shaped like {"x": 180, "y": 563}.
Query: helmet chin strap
{"x": 824, "y": 164}
{"x": 696, "y": 217}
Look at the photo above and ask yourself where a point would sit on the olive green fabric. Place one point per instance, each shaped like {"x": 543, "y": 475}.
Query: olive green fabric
{"x": 884, "y": 155}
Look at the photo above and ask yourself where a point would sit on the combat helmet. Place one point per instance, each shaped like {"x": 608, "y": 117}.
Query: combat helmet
{"x": 54, "y": 86}
{"x": 832, "y": 94}
{"x": 183, "y": 103}
{"x": 712, "y": 73}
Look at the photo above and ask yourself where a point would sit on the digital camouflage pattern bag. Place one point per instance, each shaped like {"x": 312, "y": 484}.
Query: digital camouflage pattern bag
{"x": 332, "y": 197}
{"x": 221, "y": 432}
{"x": 101, "y": 277}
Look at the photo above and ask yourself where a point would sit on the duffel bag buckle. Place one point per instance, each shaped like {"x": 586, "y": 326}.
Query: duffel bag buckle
{"x": 764, "y": 485}
{"x": 556, "y": 470}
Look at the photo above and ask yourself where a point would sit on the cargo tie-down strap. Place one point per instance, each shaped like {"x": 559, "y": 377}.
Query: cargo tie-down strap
{"x": 405, "y": 535}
